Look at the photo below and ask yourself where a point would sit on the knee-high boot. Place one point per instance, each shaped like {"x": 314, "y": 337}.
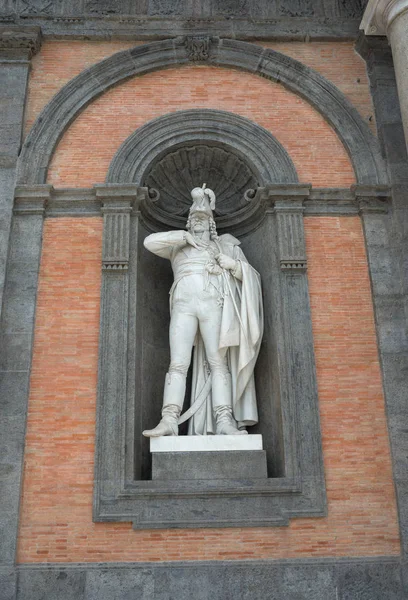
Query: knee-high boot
{"x": 222, "y": 405}
{"x": 173, "y": 398}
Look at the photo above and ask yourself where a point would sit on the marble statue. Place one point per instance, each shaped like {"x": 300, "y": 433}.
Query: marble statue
{"x": 215, "y": 306}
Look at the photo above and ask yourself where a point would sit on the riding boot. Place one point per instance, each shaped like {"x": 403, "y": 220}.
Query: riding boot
{"x": 173, "y": 399}
{"x": 222, "y": 405}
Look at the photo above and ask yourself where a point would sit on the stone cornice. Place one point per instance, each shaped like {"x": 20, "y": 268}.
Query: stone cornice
{"x": 379, "y": 15}
{"x": 18, "y": 43}
{"x": 249, "y": 19}
{"x": 32, "y": 199}
{"x": 105, "y": 198}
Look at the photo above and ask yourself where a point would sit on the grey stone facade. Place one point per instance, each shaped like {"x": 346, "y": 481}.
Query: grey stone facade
{"x": 153, "y": 19}
{"x": 385, "y": 226}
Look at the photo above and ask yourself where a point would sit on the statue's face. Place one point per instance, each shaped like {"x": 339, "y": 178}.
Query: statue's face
{"x": 199, "y": 223}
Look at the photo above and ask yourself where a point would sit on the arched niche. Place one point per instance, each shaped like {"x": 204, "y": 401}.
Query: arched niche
{"x": 178, "y": 151}
{"x": 175, "y": 152}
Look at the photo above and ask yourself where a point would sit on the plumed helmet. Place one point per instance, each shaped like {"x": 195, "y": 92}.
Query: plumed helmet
{"x": 203, "y": 200}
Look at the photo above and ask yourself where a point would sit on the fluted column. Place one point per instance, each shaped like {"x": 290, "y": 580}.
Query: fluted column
{"x": 390, "y": 18}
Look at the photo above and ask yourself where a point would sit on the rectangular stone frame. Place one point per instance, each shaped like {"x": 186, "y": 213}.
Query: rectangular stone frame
{"x": 204, "y": 503}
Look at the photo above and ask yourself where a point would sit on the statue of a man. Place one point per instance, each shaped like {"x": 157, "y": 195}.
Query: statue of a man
{"x": 216, "y": 306}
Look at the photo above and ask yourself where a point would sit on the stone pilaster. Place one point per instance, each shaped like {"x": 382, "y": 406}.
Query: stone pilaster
{"x": 17, "y": 46}
{"x": 16, "y": 338}
{"x": 118, "y": 201}
{"x": 20, "y": 243}
{"x": 387, "y": 244}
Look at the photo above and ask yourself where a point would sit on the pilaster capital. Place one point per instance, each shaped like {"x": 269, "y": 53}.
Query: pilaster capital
{"x": 371, "y": 198}
{"x": 118, "y": 201}
{"x": 19, "y": 43}
{"x": 32, "y": 199}
{"x": 117, "y": 198}
{"x": 379, "y": 14}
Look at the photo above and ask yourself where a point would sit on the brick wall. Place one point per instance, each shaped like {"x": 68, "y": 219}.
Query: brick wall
{"x": 56, "y": 512}
{"x": 60, "y": 61}
{"x": 57, "y": 63}
{"x": 83, "y": 155}
{"x": 341, "y": 65}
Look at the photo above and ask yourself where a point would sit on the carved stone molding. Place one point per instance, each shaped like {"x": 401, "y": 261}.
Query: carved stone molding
{"x": 141, "y": 19}
{"x": 32, "y": 200}
{"x": 373, "y": 199}
{"x": 19, "y": 42}
{"x": 178, "y": 171}
{"x": 117, "y": 205}
{"x": 379, "y": 15}
{"x": 189, "y": 10}
{"x": 292, "y": 251}
{"x": 252, "y": 144}
{"x": 320, "y": 201}
{"x": 198, "y": 48}
{"x": 116, "y": 236}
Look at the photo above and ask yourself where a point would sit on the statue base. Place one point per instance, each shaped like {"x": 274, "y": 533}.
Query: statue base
{"x": 208, "y": 457}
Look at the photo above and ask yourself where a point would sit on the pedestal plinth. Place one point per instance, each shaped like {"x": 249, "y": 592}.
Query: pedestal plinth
{"x": 208, "y": 457}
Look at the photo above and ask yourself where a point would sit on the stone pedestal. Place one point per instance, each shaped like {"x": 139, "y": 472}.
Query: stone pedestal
{"x": 208, "y": 457}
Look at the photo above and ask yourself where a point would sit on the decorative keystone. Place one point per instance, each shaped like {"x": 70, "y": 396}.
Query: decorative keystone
{"x": 198, "y": 48}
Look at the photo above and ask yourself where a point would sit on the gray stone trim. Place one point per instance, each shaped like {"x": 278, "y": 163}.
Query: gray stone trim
{"x": 284, "y": 29}
{"x": 20, "y": 241}
{"x": 387, "y": 252}
{"x": 361, "y": 578}
{"x": 254, "y": 144}
{"x": 291, "y": 235}
{"x": 75, "y": 202}
{"x": 357, "y": 138}
{"x": 87, "y": 202}
{"x": 142, "y": 19}
{"x": 372, "y": 199}
{"x": 19, "y": 42}
{"x": 16, "y": 338}
{"x": 32, "y": 200}
{"x": 117, "y": 204}
{"x": 192, "y": 564}
{"x": 17, "y": 45}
